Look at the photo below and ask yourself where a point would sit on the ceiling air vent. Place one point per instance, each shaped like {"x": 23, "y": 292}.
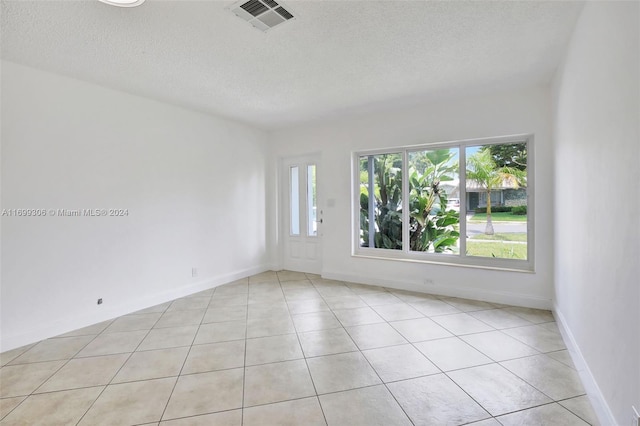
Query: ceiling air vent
{"x": 262, "y": 14}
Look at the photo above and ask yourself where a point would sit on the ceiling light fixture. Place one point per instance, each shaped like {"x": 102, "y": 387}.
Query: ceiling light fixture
{"x": 123, "y": 3}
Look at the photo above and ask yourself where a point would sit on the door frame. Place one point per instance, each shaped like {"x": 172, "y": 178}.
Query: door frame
{"x": 284, "y": 164}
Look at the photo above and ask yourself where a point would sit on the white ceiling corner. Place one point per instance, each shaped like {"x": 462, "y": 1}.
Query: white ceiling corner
{"x": 335, "y": 56}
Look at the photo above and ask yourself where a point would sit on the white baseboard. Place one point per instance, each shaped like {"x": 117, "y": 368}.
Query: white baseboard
{"x": 74, "y": 322}
{"x": 506, "y": 298}
{"x": 599, "y": 404}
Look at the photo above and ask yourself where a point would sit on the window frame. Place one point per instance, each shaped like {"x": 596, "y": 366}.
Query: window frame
{"x": 460, "y": 259}
{"x": 294, "y": 201}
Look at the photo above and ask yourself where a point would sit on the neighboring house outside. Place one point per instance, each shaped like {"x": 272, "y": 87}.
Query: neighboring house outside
{"x": 508, "y": 194}
{"x": 452, "y": 188}
{"x": 505, "y": 195}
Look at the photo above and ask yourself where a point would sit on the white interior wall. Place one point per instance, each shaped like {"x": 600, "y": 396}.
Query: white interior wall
{"x": 68, "y": 144}
{"x": 524, "y": 111}
{"x": 597, "y": 252}
{"x": 193, "y": 184}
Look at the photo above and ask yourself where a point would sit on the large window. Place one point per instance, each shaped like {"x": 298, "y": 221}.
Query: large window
{"x": 464, "y": 203}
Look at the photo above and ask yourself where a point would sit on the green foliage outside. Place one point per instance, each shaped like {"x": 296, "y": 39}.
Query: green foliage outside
{"x": 519, "y": 210}
{"x": 509, "y": 155}
{"x": 498, "y": 217}
{"x": 482, "y": 168}
{"x": 431, "y": 226}
{"x": 387, "y": 170}
{"x": 494, "y": 209}
{"x": 500, "y": 249}
{"x": 508, "y": 236}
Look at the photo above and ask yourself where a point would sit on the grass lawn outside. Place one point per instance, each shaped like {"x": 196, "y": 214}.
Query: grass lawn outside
{"x": 511, "y": 236}
{"x": 499, "y": 217}
{"x": 500, "y": 249}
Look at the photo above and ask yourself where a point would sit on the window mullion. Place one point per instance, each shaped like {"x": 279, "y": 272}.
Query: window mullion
{"x": 462, "y": 172}
{"x": 405, "y": 202}
{"x": 483, "y": 251}
{"x": 372, "y": 198}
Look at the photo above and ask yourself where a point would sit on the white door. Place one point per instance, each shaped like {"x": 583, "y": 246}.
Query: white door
{"x": 302, "y": 227}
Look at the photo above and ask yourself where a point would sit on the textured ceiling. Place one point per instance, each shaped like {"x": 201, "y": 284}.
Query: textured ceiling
{"x": 337, "y": 57}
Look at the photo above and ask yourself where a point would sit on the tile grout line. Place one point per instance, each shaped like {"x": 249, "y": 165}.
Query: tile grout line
{"x": 445, "y": 372}
{"x": 128, "y": 358}
{"x": 414, "y": 347}
{"x": 315, "y": 389}
{"x": 458, "y": 337}
{"x": 494, "y": 362}
{"x": 576, "y": 414}
{"x": 369, "y": 363}
{"x": 531, "y": 384}
{"x": 185, "y": 358}
{"x": 28, "y": 347}
{"x": 55, "y": 372}
{"x": 95, "y": 336}
{"x": 343, "y": 327}
{"x": 535, "y": 406}
{"x": 244, "y": 366}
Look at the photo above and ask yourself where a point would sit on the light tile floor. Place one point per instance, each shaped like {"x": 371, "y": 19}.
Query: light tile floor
{"x": 288, "y": 348}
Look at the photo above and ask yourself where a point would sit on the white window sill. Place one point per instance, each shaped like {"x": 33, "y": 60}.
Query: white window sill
{"x": 455, "y": 260}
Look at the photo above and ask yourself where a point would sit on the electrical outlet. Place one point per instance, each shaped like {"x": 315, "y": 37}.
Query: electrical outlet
{"x": 100, "y": 301}
{"x": 194, "y": 272}
{"x": 636, "y": 417}
{"x": 428, "y": 281}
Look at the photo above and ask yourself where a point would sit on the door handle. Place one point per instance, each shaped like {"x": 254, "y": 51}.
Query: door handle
{"x": 319, "y": 221}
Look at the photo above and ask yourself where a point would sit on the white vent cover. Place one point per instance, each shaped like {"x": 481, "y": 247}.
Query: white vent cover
{"x": 262, "y": 14}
